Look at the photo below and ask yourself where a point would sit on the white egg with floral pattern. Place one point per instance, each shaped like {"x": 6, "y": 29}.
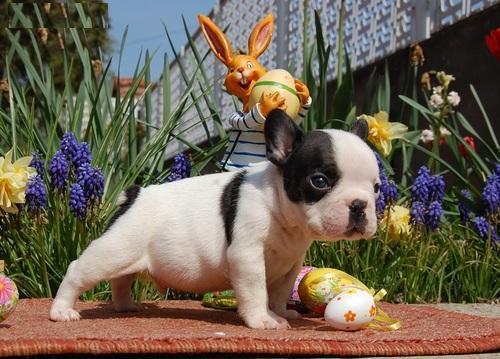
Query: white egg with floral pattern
{"x": 351, "y": 309}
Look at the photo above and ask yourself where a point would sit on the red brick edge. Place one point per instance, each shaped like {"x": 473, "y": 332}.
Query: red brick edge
{"x": 250, "y": 346}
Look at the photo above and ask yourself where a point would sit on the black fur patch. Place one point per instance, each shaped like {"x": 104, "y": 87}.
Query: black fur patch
{"x": 131, "y": 194}
{"x": 229, "y": 203}
{"x": 313, "y": 155}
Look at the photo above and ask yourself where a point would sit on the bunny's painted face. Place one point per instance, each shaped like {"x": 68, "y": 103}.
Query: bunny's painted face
{"x": 240, "y": 74}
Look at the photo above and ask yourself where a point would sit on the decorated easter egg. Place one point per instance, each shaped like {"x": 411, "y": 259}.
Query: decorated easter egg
{"x": 277, "y": 81}
{"x": 294, "y": 299}
{"x": 319, "y": 286}
{"x": 351, "y": 309}
{"x": 9, "y": 296}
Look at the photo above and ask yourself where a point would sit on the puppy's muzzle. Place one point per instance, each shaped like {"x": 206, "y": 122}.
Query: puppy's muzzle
{"x": 357, "y": 216}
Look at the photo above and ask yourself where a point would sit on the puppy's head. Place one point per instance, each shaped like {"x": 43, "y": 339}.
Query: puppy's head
{"x": 330, "y": 176}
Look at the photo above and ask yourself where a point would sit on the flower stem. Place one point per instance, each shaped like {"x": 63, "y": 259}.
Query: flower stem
{"x": 43, "y": 263}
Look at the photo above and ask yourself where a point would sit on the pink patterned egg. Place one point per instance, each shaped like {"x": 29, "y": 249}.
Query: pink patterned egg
{"x": 9, "y": 296}
{"x": 351, "y": 309}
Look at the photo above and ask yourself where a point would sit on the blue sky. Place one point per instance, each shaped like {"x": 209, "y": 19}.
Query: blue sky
{"x": 145, "y": 28}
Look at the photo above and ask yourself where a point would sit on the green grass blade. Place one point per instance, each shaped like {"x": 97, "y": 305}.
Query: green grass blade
{"x": 494, "y": 137}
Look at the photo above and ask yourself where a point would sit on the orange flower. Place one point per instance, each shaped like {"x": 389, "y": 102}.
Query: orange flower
{"x": 350, "y": 316}
{"x": 373, "y": 311}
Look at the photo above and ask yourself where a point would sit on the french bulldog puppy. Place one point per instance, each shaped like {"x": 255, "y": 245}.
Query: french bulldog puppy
{"x": 244, "y": 230}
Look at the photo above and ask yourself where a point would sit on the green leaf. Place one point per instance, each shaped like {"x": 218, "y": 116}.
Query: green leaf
{"x": 342, "y": 100}
{"x": 384, "y": 92}
{"x": 493, "y": 135}
{"x": 423, "y": 110}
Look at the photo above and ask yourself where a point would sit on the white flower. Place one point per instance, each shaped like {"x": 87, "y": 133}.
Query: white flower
{"x": 444, "y": 131}
{"x": 436, "y": 100}
{"x": 427, "y": 136}
{"x": 453, "y": 98}
{"x": 437, "y": 90}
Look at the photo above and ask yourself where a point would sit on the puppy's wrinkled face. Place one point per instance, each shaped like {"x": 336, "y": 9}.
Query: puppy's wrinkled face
{"x": 330, "y": 176}
{"x": 333, "y": 176}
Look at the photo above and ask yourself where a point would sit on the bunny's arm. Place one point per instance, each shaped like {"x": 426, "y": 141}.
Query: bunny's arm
{"x": 247, "y": 121}
{"x": 253, "y": 119}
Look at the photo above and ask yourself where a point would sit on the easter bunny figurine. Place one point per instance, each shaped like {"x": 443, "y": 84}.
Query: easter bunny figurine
{"x": 246, "y": 141}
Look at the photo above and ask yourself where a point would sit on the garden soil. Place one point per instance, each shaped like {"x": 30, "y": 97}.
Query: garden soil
{"x": 186, "y": 327}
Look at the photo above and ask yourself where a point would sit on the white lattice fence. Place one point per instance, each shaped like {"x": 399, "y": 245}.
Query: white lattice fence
{"x": 373, "y": 30}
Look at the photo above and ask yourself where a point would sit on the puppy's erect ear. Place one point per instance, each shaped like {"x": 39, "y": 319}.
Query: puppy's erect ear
{"x": 282, "y": 136}
{"x": 360, "y": 129}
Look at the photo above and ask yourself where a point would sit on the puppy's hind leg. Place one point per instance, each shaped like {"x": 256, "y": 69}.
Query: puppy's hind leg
{"x": 100, "y": 261}
{"x": 121, "y": 290}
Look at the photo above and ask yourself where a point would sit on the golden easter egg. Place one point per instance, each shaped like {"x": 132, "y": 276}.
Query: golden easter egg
{"x": 277, "y": 81}
{"x": 320, "y": 286}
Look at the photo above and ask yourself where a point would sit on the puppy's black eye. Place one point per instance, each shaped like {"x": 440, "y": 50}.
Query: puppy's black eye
{"x": 319, "y": 182}
{"x": 376, "y": 187}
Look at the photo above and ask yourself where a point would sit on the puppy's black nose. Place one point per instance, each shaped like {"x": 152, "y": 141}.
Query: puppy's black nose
{"x": 357, "y": 208}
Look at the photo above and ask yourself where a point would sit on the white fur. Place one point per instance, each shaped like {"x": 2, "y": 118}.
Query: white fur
{"x": 175, "y": 231}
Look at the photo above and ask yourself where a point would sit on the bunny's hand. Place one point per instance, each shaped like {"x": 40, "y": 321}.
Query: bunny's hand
{"x": 271, "y": 101}
{"x": 302, "y": 91}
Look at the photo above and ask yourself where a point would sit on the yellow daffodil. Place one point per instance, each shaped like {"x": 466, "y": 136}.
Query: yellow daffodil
{"x": 382, "y": 132}
{"x": 13, "y": 180}
{"x": 396, "y": 222}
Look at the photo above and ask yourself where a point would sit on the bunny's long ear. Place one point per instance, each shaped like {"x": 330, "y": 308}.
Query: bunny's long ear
{"x": 216, "y": 40}
{"x": 260, "y": 38}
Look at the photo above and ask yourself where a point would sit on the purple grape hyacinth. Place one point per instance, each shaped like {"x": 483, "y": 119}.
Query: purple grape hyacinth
{"x": 180, "y": 169}
{"x": 427, "y": 197}
{"x": 91, "y": 181}
{"x": 58, "y": 170}
{"x": 380, "y": 204}
{"x": 436, "y": 188}
{"x": 463, "y": 209}
{"x": 37, "y": 164}
{"x": 36, "y": 194}
{"x": 484, "y": 229}
{"x": 69, "y": 145}
{"x": 77, "y": 201}
{"x": 418, "y": 213}
{"x": 389, "y": 191}
{"x": 174, "y": 177}
{"x": 491, "y": 194}
{"x": 82, "y": 155}
{"x": 434, "y": 214}
{"x": 420, "y": 189}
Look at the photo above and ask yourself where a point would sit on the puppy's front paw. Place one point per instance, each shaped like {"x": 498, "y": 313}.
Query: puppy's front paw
{"x": 64, "y": 315}
{"x": 266, "y": 321}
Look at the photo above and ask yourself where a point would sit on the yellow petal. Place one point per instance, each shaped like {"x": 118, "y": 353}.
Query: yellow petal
{"x": 386, "y": 147}
{"x": 23, "y": 162}
{"x": 8, "y": 156}
{"x": 382, "y": 116}
{"x": 397, "y": 130}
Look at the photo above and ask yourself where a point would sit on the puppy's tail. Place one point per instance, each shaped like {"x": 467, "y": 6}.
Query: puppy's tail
{"x": 125, "y": 200}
